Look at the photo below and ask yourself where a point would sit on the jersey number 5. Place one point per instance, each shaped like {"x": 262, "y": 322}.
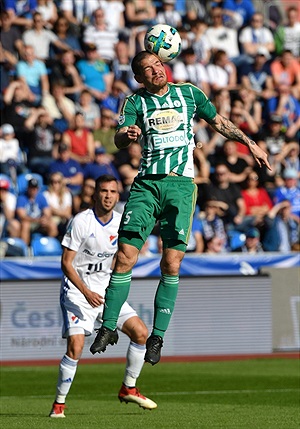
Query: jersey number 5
{"x": 127, "y": 217}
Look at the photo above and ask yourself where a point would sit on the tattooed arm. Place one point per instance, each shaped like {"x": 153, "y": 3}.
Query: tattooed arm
{"x": 225, "y": 127}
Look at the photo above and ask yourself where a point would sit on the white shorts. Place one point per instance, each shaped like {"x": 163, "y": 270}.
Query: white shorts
{"x": 79, "y": 315}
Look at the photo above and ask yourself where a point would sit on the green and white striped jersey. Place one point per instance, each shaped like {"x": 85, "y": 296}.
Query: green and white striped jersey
{"x": 167, "y": 126}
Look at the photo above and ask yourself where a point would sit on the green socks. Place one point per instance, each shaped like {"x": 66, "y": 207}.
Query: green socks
{"x": 164, "y": 303}
{"x": 115, "y": 296}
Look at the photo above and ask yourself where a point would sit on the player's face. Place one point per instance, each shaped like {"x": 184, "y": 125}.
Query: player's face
{"x": 152, "y": 73}
{"x": 106, "y": 196}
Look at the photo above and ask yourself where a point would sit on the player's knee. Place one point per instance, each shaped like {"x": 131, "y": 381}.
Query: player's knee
{"x": 140, "y": 336}
{"x": 139, "y": 333}
{"x": 170, "y": 263}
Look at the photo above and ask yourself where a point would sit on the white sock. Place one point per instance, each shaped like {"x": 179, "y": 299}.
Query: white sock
{"x": 67, "y": 371}
{"x": 134, "y": 363}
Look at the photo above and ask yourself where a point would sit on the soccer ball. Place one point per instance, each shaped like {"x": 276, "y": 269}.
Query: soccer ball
{"x": 164, "y": 41}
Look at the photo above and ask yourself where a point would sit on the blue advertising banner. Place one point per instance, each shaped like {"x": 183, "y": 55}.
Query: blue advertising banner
{"x": 192, "y": 265}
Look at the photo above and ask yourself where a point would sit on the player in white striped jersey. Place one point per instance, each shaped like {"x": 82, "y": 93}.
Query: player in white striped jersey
{"x": 89, "y": 246}
{"x": 160, "y": 117}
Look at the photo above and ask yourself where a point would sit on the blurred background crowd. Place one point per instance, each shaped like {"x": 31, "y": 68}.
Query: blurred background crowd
{"x": 65, "y": 71}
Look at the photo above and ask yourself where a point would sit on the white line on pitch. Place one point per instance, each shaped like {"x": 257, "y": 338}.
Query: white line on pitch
{"x": 197, "y": 392}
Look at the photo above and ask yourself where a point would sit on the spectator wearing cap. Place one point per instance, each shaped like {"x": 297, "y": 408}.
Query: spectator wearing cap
{"x": 289, "y": 191}
{"x": 9, "y": 226}
{"x": 95, "y": 73}
{"x": 11, "y": 162}
{"x": 257, "y": 75}
{"x": 101, "y": 165}
{"x": 80, "y": 140}
{"x": 34, "y": 213}
{"x": 70, "y": 169}
{"x": 252, "y": 242}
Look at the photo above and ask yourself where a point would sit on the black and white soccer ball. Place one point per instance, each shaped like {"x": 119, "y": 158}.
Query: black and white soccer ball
{"x": 164, "y": 41}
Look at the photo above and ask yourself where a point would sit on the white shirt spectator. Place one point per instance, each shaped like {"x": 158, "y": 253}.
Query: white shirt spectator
{"x": 218, "y": 75}
{"x": 259, "y": 36}
{"x": 9, "y": 149}
{"x": 53, "y": 200}
{"x": 194, "y": 73}
{"x": 104, "y": 40}
{"x": 225, "y": 39}
{"x": 114, "y": 10}
{"x": 80, "y": 8}
{"x": 292, "y": 38}
{"x": 40, "y": 42}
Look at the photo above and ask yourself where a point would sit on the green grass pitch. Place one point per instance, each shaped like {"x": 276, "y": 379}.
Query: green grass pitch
{"x": 252, "y": 394}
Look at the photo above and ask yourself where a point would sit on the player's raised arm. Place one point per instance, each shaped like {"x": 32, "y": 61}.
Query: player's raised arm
{"x": 225, "y": 127}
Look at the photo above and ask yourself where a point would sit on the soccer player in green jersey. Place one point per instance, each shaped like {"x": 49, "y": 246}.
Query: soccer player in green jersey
{"x": 159, "y": 116}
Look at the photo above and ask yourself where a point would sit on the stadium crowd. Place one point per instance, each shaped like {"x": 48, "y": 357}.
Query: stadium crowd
{"x": 65, "y": 71}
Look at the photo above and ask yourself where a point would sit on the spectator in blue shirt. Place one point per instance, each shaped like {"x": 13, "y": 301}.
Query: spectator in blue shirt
{"x": 101, "y": 165}
{"x": 95, "y": 74}
{"x": 34, "y": 213}
{"x": 21, "y": 11}
{"x": 71, "y": 169}
{"x": 34, "y": 73}
{"x": 244, "y": 7}
{"x": 289, "y": 191}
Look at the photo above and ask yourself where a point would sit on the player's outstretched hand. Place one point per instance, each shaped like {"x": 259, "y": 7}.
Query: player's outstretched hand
{"x": 94, "y": 299}
{"x": 259, "y": 155}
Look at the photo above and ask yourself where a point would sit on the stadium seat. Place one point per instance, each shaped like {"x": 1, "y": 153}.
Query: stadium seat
{"x": 46, "y": 246}
{"x": 236, "y": 239}
{"x": 16, "y": 246}
{"x": 22, "y": 181}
